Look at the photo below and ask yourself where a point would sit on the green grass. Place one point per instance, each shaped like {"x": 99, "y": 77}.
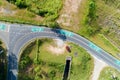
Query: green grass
{"x": 113, "y": 3}
{"x": 38, "y": 13}
{"x": 17, "y": 15}
{"x": 81, "y": 66}
{"x": 98, "y": 38}
{"x": 0, "y": 3}
{"x": 114, "y": 38}
{"x": 107, "y": 74}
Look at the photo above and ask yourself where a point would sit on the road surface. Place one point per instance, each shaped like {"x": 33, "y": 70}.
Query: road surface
{"x": 16, "y": 36}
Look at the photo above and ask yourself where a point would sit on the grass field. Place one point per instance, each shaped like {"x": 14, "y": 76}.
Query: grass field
{"x": 51, "y": 66}
{"x": 107, "y": 74}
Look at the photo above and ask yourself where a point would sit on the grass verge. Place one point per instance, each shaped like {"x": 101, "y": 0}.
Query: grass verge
{"x": 104, "y": 43}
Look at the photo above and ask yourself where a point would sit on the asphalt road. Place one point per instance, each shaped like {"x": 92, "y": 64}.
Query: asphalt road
{"x": 16, "y": 36}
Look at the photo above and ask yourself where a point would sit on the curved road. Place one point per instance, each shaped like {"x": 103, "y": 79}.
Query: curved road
{"x": 17, "y": 36}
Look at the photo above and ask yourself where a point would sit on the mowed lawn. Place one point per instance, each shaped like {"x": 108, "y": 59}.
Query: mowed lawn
{"x": 51, "y": 66}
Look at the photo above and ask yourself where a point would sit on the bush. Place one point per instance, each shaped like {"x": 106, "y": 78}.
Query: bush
{"x": 25, "y": 61}
{"x": 52, "y": 73}
{"x": 20, "y": 3}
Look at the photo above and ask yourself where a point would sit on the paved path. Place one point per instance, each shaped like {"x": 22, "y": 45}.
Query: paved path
{"x": 98, "y": 66}
{"x": 16, "y": 36}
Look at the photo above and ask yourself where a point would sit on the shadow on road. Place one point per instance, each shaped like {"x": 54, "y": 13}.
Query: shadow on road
{"x": 12, "y": 66}
{"x": 59, "y": 35}
{"x": 12, "y": 60}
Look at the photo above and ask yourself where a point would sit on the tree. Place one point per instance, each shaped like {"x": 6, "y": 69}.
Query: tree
{"x": 91, "y": 16}
{"x": 24, "y": 62}
{"x": 92, "y": 10}
{"x": 22, "y": 3}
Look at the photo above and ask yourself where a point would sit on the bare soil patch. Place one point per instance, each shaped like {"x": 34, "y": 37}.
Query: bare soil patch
{"x": 58, "y": 48}
{"x": 7, "y": 11}
{"x": 68, "y": 16}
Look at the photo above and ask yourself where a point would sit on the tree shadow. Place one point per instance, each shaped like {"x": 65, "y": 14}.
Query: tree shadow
{"x": 13, "y": 61}
{"x": 58, "y": 32}
{"x": 12, "y": 66}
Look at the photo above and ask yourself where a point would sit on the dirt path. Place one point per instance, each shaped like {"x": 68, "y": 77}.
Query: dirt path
{"x": 69, "y": 13}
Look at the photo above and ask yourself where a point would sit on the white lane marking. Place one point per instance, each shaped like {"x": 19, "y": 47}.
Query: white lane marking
{"x": 8, "y": 29}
